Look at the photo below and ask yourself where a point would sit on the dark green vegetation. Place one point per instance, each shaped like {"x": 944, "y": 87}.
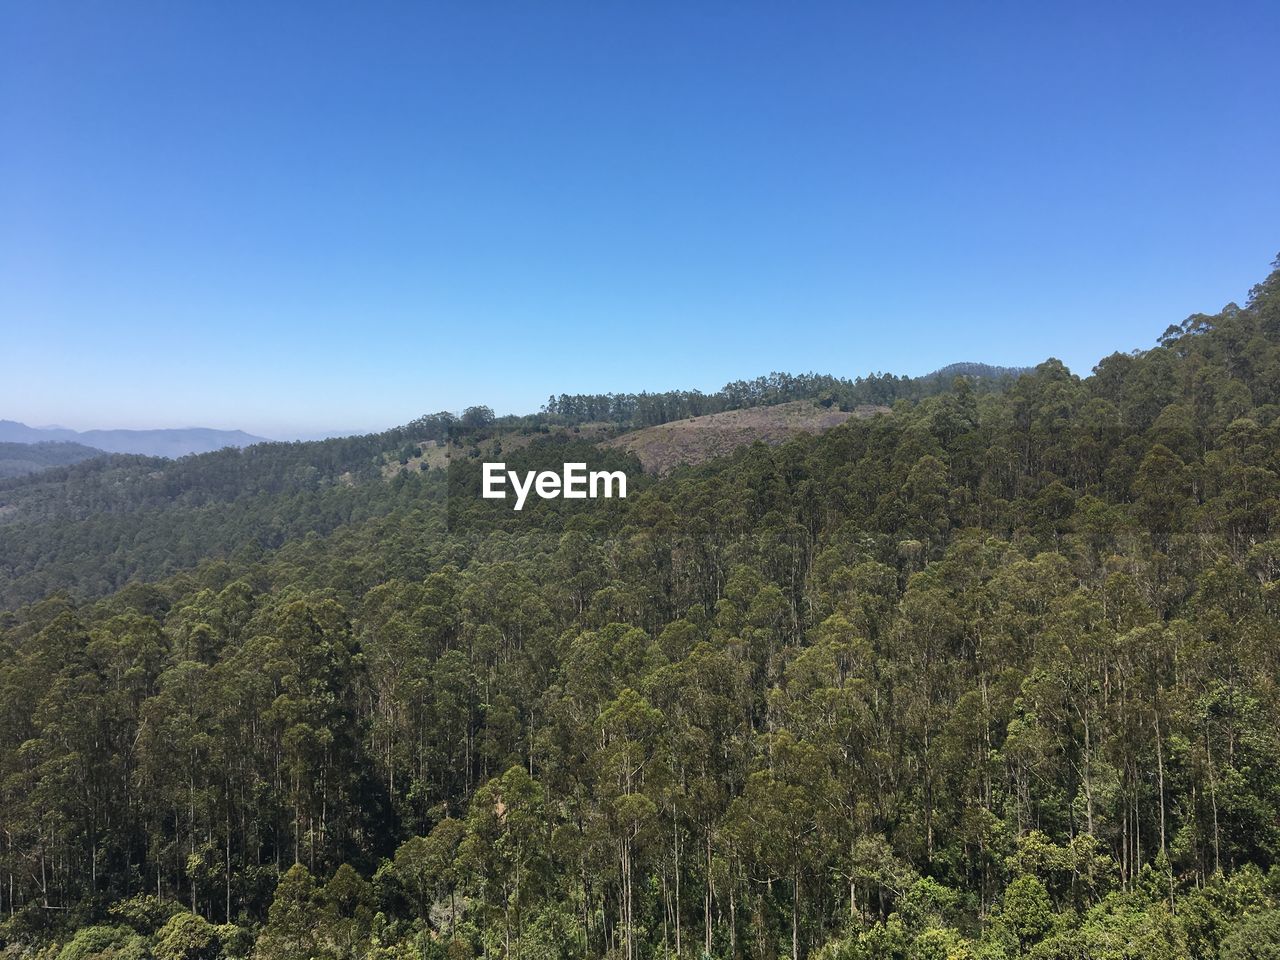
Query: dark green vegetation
{"x": 993, "y": 676}
{"x": 20, "y": 459}
{"x": 98, "y": 526}
{"x": 637, "y": 410}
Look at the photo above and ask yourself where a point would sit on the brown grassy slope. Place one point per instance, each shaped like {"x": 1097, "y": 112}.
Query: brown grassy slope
{"x": 662, "y": 448}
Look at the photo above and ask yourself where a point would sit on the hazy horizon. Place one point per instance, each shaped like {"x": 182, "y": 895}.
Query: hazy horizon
{"x": 283, "y": 432}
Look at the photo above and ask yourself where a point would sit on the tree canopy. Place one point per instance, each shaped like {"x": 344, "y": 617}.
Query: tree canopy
{"x": 994, "y": 675}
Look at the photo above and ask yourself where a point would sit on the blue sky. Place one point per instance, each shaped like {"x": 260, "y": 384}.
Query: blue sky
{"x": 300, "y": 217}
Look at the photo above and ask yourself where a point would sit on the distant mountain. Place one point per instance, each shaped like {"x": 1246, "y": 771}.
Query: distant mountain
{"x": 978, "y": 370}
{"x": 20, "y": 459}
{"x": 151, "y": 443}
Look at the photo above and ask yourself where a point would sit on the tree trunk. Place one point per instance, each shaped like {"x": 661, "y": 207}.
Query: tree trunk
{"x": 795, "y": 914}
{"x": 706, "y": 905}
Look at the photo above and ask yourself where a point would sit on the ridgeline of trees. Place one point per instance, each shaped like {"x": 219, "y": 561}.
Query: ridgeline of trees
{"x": 634, "y": 410}
{"x": 994, "y": 676}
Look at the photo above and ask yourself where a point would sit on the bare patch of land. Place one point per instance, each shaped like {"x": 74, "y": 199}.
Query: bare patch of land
{"x": 662, "y": 448}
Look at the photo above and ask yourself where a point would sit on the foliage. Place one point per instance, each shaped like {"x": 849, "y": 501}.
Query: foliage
{"x": 186, "y": 936}
{"x": 992, "y": 676}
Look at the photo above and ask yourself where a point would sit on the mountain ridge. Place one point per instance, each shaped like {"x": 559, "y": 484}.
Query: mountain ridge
{"x": 173, "y": 442}
{"x": 165, "y": 442}
{"x": 972, "y": 368}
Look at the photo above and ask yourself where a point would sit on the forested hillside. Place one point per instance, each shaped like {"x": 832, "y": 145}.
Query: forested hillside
{"x": 20, "y": 459}
{"x": 93, "y": 528}
{"x": 993, "y": 676}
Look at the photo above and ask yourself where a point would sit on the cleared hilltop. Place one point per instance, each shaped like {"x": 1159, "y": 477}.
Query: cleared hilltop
{"x": 698, "y": 439}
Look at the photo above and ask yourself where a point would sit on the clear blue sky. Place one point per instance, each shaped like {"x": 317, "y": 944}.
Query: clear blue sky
{"x": 297, "y": 217}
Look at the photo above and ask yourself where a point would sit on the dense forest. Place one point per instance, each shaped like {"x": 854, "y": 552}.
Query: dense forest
{"x": 61, "y": 531}
{"x": 992, "y": 675}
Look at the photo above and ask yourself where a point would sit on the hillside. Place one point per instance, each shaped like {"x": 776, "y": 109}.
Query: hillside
{"x": 977, "y": 370}
{"x": 698, "y": 439}
{"x": 20, "y": 459}
{"x": 991, "y": 677}
{"x": 150, "y": 443}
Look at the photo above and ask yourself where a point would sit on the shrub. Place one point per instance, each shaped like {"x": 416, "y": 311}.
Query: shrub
{"x": 187, "y": 937}
{"x": 110, "y": 943}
